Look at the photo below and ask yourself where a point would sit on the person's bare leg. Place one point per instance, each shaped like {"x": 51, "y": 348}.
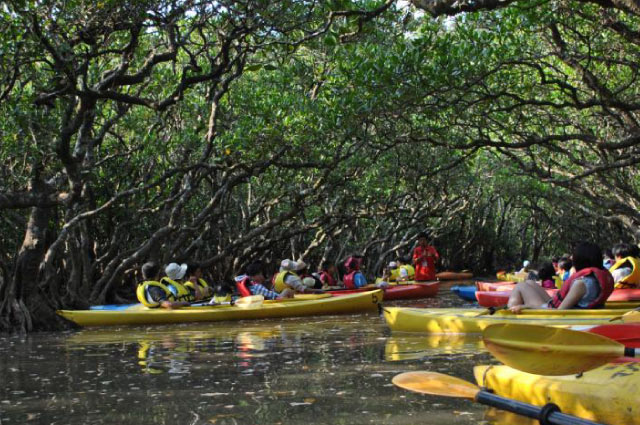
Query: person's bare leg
{"x": 528, "y": 293}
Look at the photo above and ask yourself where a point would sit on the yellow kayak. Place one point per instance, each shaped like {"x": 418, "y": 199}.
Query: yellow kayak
{"x": 607, "y": 394}
{"x": 472, "y": 320}
{"x": 346, "y": 304}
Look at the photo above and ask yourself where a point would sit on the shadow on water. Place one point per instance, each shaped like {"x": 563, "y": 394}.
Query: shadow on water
{"x": 333, "y": 370}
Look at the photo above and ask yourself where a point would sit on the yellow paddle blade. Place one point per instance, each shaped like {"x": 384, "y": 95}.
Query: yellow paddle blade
{"x": 631, "y": 316}
{"x": 251, "y": 301}
{"x": 435, "y": 383}
{"x": 543, "y": 350}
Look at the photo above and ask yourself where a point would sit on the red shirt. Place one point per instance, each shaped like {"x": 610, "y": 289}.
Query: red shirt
{"x": 424, "y": 261}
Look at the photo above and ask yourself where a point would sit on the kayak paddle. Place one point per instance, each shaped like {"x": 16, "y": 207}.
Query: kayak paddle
{"x": 434, "y": 383}
{"x": 250, "y": 301}
{"x": 544, "y": 350}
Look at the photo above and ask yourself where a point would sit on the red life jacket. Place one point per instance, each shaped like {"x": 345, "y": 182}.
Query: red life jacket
{"x": 243, "y": 287}
{"x": 604, "y": 278}
{"x": 348, "y": 280}
{"x": 327, "y": 279}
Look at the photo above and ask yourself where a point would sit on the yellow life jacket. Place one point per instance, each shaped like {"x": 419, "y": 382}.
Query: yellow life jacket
{"x": 395, "y": 275}
{"x": 632, "y": 280}
{"x": 141, "y": 293}
{"x": 202, "y": 284}
{"x": 179, "y": 291}
{"x": 411, "y": 271}
{"x": 278, "y": 282}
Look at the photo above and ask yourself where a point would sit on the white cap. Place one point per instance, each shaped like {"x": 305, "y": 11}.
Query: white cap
{"x": 526, "y": 263}
{"x": 393, "y": 265}
{"x": 291, "y": 265}
{"x": 175, "y": 271}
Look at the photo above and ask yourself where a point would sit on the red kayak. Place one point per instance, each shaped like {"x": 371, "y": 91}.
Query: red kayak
{"x": 454, "y": 275}
{"x": 625, "y": 333}
{"x": 495, "y": 286}
{"x": 399, "y": 292}
{"x": 499, "y": 298}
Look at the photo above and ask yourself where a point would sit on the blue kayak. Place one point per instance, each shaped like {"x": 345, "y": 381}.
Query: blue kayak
{"x": 113, "y": 306}
{"x": 466, "y": 292}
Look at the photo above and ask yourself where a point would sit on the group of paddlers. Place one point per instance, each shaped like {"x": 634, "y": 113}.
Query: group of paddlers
{"x": 183, "y": 285}
{"x": 588, "y": 276}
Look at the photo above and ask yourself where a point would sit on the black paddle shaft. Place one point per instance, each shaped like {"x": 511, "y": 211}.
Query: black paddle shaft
{"x": 550, "y": 414}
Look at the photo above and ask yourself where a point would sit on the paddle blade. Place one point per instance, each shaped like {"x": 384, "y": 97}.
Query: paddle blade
{"x": 631, "y": 317}
{"x": 251, "y": 301}
{"x": 435, "y": 383}
{"x": 543, "y": 350}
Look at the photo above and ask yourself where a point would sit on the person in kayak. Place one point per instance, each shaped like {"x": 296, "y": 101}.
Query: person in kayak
{"x": 626, "y": 269}
{"x": 151, "y": 292}
{"x": 196, "y": 285}
{"x": 588, "y": 287}
{"x": 564, "y": 268}
{"x": 406, "y": 271}
{"x": 327, "y": 273}
{"x": 255, "y": 282}
{"x": 424, "y": 258}
{"x": 546, "y": 274}
{"x": 288, "y": 277}
{"x": 354, "y": 278}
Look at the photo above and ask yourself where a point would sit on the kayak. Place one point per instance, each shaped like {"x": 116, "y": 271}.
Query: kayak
{"x": 511, "y": 277}
{"x": 495, "y": 286}
{"x": 474, "y": 320}
{"x": 467, "y": 292}
{"x": 607, "y": 394}
{"x": 499, "y": 298}
{"x": 348, "y": 304}
{"x": 620, "y": 297}
{"x": 625, "y": 333}
{"x": 454, "y": 275}
{"x": 296, "y": 297}
{"x": 399, "y": 291}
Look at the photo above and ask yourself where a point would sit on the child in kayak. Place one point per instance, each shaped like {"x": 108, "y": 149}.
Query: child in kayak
{"x": 588, "y": 287}
{"x": 254, "y": 281}
{"x": 546, "y": 274}
{"x": 152, "y": 292}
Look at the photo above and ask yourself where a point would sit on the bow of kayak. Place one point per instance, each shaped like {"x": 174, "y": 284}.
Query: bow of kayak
{"x": 606, "y": 394}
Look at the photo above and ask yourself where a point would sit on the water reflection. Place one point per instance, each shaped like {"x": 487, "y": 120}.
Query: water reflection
{"x": 408, "y": 347}
{"x": 333, "y": 370}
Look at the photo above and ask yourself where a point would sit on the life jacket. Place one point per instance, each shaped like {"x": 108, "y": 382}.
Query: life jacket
{"x": 142, "y": 294}
{"x": 394, "y": 275}
{"x": 632, "y": 280}
{"x": 604, "y": 278}
{"x": 327, "y": 279}
{"x": 243, "y": 285}
{"x": 354, "y": 280}
{"x": 279, "y": 284}
{"x": 179, "y": 291}
{"x": 201, "y": 283}
{"x": 411, "y": 271}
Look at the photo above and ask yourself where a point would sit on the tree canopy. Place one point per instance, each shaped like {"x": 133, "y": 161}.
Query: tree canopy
{"x": 227, "y": 131}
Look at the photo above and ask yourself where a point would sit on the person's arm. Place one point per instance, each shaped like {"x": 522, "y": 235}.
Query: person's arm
{"x": 577, "y": 291}
{"x": 173, "y": 304}
{"x": 295, "y": 284}
{"x": 258, "y": 289}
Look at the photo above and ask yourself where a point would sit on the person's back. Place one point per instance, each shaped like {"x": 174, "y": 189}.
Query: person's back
{"x": 152, "y": 293}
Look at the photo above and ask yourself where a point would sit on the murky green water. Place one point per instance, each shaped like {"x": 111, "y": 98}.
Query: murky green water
{"x": 325, "y": 370}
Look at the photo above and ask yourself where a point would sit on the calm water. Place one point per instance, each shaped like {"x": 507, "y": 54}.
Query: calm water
{"x": 326, "y": 370}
